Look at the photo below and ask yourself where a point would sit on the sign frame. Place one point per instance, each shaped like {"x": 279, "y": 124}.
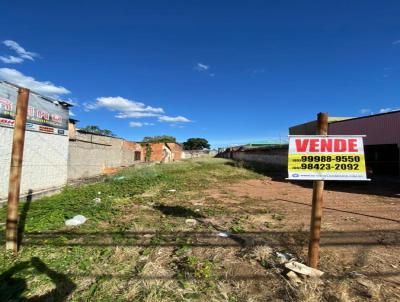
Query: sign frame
{"x": 333, "y": 168}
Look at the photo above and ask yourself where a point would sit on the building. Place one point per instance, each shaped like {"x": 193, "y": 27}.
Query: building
{"x": 56, "y": 152}
{"x": 176, "y": 150}
{"x": 382, "y": 141}
{"x": 93, "y": 154}
{"x": 162, "y": 152}
{"x": 381, "y": 144}
{"x": 310, "y": 128}
{"x": 44, "y": 166}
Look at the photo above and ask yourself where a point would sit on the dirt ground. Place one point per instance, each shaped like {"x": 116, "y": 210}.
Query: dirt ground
{"x": 360, "y": 226}
{"x": 206, "y": 230}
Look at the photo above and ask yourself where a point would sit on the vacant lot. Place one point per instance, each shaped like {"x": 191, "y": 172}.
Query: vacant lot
{"x": 138, "y": 244}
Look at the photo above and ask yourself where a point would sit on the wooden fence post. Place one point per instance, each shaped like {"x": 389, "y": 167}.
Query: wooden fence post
{"x": 317, "y": 201}
{"x": 16, "y": 169}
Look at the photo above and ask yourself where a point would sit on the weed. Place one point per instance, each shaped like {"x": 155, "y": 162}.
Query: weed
{"x": 183, "y": 250}
{"x": 237, "y": 225}
{"x": 237, "y": 228}
{"x": 201, "y": 269}
{"x": 105, "y": 258}
{"x": 269, "y": 225}
{"x": 278, "y": 217}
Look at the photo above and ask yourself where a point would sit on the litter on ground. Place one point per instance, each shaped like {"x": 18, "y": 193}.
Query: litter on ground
{"x": 191, "y": 222}
{"x": 294, "y": 278}
{"x": 222, "y": 234}
{"x": 76, "y": 220}
{"x": 303, "y": 269}
{"x": 284, "y": 257}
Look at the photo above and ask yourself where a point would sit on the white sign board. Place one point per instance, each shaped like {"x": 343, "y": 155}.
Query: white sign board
{"x": 326, "y": 157}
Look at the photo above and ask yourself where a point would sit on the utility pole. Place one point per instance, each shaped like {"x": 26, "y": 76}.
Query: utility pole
{"x": 317, "y": 201}
{"x": 16, "y": 169}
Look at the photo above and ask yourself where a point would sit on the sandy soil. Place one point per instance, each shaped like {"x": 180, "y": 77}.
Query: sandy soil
{"x": 360, "y": 224}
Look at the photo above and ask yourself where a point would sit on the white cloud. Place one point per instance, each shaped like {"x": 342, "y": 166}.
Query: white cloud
{"x": 22, "y": 53}
{"x": 202, "y": 67}
{"x": 71, "y": 113}
{"x": 136, "y": 114}
{"x": 18, "y": 78}
{"x": 139, "y": 124}
{"x": 384, "y": 110}
{"x": 125, "y": 108}
{"x": 365, "y": 111}
{"x": 170, "y": 119}
{"x": 135, "y": 124}
{"x": 11, "y": 60}
{"x": 396, "y": 42}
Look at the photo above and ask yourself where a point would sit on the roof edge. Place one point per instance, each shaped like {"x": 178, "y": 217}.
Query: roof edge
{"x": 47, "y": 98}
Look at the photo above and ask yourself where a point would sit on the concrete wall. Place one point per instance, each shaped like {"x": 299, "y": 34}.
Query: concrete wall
{"x": 187, "y": 154}
{"x": 44, "y": 165}
{"x": 128, "y": 153}
{"x": 267, "y": 156}
{"x": 91, "y": 155}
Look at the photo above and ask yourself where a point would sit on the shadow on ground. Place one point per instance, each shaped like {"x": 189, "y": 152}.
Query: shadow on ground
{"x": 12, "y": 286}
{"x": 381, "y": 186}
{"x": 23, "y": 216}
{"x": 177, "y": 211}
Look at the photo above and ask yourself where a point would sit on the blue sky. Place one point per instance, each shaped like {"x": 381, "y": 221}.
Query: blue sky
{"x": 229, "y": 71}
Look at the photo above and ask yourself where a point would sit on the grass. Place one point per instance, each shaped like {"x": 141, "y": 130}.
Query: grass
{"x": 109, "y": 257}
{"x": 137, "y": 245}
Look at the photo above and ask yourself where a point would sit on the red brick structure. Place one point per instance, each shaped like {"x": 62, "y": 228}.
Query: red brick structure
{"x": 176, "y": 150}
{"x": 128, "y": 147}
{"x": 163, "y": 152}
{"x": 157, "y": 151}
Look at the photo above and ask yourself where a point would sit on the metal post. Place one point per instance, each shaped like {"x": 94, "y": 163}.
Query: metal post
{"x": 317, "y": 200}
{"x": 16, "y": 169}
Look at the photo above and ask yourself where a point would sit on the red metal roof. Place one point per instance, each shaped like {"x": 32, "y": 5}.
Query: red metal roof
{"x": 379, "y": 129}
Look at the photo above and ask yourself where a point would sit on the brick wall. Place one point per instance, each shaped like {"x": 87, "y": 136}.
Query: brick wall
{"x": 165, "y": 152}
{"x": 176, "y": 150}
{"x": 157, "y": 152}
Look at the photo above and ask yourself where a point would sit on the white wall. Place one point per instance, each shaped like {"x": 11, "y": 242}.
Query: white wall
{"x": 44, "y": 164}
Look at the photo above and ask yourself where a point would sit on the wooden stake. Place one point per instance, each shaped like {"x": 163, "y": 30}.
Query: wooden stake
{"x": 16, "y": 169}
{"x": 317, "y": 201}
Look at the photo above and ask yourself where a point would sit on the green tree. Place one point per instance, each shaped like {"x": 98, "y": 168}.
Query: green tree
{"x": 196, "y": 144}
{"x": 97, "y": 130}
{"x": 159, "y": 139}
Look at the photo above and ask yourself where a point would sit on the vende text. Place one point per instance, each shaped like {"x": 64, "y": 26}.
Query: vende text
{"x": 326, "y": 145}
